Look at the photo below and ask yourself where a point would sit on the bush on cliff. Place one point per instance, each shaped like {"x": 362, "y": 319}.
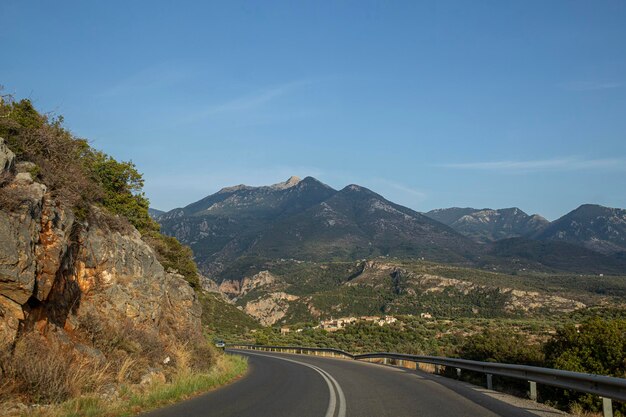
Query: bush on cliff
{"x": 81, "y": 177}
{"x": 76, "y": 174}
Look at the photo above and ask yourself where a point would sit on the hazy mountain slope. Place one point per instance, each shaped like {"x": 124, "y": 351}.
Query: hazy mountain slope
{"x": 238, "y": 228}
{"x": 308, "y": 220}
{"x": 222, "y": 226}
{"x": 357, "y": 223}
{"x": 448, "y": 216}
{"x": 155, "y": 213}
{"x": 595, "y": 227}
{"x": 486, "y": 225}
{"x": 561, "y": 256}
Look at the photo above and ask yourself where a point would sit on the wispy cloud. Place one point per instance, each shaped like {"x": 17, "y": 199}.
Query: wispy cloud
{"x": 400, "y": 187}
{"x": 397, "y": 192}
{"x": 556, "y": 164}
{"x": 248, "y": 102}
{"x": 156, "y": 76}
{"x": 590, "y": 85}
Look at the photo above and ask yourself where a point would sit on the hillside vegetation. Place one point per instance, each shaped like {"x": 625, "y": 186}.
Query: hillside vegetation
{"x": 83, "y": 178}
{"x": 86, "y": 311}
{"x": 289, "y": 291}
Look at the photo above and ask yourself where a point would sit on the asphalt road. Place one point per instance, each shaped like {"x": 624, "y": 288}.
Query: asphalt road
{"x": 286, "y": 385}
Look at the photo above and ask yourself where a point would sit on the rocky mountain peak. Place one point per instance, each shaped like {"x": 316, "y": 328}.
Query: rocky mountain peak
{"x": 235, "y": 188}
{"x": 355, "y": 189}
{"x": 291, "y": 181}
{"x": 599, "y": 228}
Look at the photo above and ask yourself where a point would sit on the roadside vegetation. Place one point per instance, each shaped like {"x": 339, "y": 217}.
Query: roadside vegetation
{"x": 130, "y": 399}
{"x": 64, "y": 382}
{"x": 222, "y": 320}
{"x": 591, "y": 341}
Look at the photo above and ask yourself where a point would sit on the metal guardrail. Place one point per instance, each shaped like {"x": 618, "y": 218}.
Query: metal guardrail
{"x": 293, "y": 349}
{"x": 604, "y": 386}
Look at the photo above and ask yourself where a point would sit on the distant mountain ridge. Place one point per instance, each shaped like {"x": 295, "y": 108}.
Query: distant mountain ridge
{"x": 601, "y": 229}
{"x": 154, "y": 213}
{"x": 240, "y": 227}
{"x": 489, "y": 225}
{"x": 306, "y": 219}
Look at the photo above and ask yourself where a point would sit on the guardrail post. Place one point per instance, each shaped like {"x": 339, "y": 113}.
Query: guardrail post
{"x": 533, "y": 390}
{"x": 384, "y": 361}
{"x": 437, "y": 368}
{"x": 489, "y": 382}
{"x": 607, "y": 407}
{"x": 458, "y": 373}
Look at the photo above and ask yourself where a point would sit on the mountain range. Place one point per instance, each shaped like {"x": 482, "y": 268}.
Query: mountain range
{"x": 239, "y": 227}
{"x": 602, "y": 229}
{"x": 488, "y": 225}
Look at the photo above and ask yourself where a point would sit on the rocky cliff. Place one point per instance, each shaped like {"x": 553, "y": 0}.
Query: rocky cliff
{"x": 55, "y": 268}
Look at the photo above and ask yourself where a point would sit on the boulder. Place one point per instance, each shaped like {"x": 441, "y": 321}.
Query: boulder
{"x": 7, "y": 158}
{"x": 153, "y": 376}
{"x": 25, "y": 166}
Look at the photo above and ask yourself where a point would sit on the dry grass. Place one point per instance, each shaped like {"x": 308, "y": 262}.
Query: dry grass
{"x": 49, "y": 370}
{"x": 579, "y": 411}
{"x": 43, "y": 371}
{"x": 133, "y": 399}
{"x": 125, "y": 370}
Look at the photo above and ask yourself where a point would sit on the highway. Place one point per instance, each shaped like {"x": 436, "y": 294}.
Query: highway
{"x": 285, "y": 385}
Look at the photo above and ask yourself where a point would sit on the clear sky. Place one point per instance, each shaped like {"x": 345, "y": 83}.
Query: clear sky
{"x": 431, "y": 104}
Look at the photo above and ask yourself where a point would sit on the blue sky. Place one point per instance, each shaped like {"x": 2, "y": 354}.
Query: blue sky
{"x": 431, "y": 104}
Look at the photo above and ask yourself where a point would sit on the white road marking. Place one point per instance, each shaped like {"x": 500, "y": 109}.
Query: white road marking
{"x": 330, "y": 381}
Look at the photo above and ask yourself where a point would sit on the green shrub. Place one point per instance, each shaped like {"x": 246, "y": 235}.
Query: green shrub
{"x": 502, "y": 346}
{"x": 597, "y": 346}
{"x": 82, "y": 177}
{"x": 174, "y": 255}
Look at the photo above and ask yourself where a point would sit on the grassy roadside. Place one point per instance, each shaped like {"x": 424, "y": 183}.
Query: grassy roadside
{"x": 133, "y": 400}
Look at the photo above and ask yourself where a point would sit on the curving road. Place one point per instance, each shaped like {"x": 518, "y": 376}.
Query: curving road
{"x": 287, "y": 385}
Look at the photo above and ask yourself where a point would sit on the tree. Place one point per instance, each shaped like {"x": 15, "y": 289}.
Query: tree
{"x": 501, "y": 346}
{"x": 597, "y": 346}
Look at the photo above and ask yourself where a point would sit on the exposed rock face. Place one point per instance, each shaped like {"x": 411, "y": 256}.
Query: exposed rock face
{"x": 208, "y": 285}
{"x": 262, "y": 296}
{"x": 234, "y": 288}
{"x": 270, "y": 308}
{"x": 53, "y": 268}
{"x": 7, "y": 157}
